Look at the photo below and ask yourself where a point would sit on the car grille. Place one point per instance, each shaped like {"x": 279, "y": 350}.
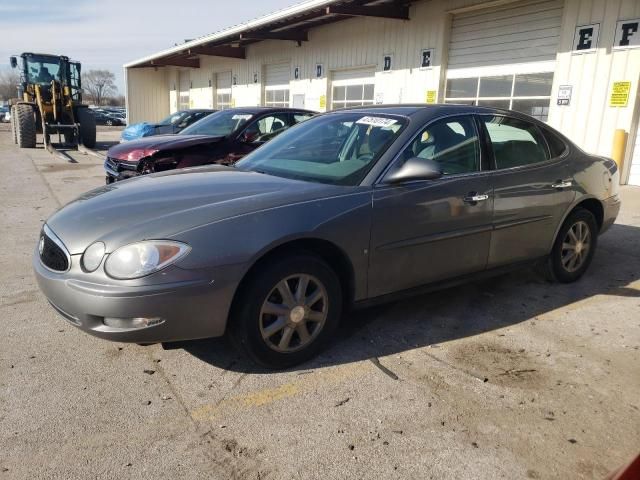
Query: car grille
{"x": 52, "y": 252}
{"x": 112, "y": 164}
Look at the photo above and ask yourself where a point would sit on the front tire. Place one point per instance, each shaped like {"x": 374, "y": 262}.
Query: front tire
{"x": 574, "y": 247}
{"x": 25, "y": 126}
{"x": 14, "y": 133}
{"x": 287, "y": 311}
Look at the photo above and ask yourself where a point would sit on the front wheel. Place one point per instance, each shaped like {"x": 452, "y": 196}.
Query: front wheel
{"x": 574, "y": 247}
{"x": 287, "y": 311}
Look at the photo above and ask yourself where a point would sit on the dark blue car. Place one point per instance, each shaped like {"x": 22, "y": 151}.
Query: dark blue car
{"x": 174, "y": 123}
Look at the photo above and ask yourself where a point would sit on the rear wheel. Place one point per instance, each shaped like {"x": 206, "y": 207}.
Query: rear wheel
{"x": 87, "y": 122}
{"x": 574, "y": 247}
{"x": 287, "y": 311}
{"x": 25, "y": 126}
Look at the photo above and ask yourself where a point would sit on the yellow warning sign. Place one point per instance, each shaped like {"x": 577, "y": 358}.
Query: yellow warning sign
{"x": 431, "y": 96}
{"x": 620, "y": 94}
{"x": 323, "y": 101}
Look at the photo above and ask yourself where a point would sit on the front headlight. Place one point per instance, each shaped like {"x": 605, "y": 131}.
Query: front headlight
{"x": 143, "y": 258}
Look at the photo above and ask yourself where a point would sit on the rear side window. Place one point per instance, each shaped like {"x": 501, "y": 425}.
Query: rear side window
{"x": 515, "y": 142}
{"x": 556, "y": 145}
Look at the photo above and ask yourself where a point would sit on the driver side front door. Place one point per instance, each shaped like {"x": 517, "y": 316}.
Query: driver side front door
{"x": 432, "y": 230}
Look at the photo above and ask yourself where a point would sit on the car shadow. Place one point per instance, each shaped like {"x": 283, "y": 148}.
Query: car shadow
{"x": 457, "y": 312}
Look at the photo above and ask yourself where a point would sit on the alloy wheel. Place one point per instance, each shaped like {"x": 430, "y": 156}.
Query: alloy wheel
{"x": 576, "y": 246}
{"x": 294, "y": 313}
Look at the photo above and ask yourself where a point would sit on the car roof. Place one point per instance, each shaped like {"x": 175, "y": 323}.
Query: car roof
{"x": 256, "y": 110}
{"x": 429, "y": 111}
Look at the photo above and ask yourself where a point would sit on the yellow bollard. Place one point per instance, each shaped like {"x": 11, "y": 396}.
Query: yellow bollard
{"x": 619, "y": 145}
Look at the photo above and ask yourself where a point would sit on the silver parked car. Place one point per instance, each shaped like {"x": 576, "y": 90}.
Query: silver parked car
{"x": 346, "y": 209}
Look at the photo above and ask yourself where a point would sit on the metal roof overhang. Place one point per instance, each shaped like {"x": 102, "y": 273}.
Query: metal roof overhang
{"x": 290, "y": 24}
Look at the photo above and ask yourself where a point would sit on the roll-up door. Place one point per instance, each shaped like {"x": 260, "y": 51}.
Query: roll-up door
{"x": 223, "y": 90}
{"x": 514, "y": 33}
{"x": 352, "y": 88}
{"x": 184, "y": 81}
{"x": 504, "y": 56}
{"x": 276, "y": 83}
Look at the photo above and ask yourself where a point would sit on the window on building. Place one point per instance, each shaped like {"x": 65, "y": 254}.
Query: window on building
{"x": 352, "y": 95}
{"x": 223, "y": 99}
{"x": 528, "y": 93}
{"x": 515, "y": 143}
{"x": 276, "y": 97}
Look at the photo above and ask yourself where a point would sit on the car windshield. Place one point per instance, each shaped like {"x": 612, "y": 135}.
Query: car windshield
{"x": 220, "y": 123}
{"x": 338, "y": 149}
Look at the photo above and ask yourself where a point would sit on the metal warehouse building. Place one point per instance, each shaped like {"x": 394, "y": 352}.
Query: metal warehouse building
{"x": 572, "y": 63}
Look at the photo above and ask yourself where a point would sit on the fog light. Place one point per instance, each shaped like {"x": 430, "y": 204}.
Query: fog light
{"x": 132, "y": 323}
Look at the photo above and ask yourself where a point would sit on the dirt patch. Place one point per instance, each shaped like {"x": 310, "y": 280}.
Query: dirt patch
{"x": 501, "y": 365}
{"x": 62, "y": 167}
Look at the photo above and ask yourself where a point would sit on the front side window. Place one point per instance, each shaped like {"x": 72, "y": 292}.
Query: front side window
{"x": 452, "y": 143}
{"x": 266, "y": 128}
{"x": 221, "y": 123}
{"x": 515, "y": 142}
{"x": 337, "y": 149}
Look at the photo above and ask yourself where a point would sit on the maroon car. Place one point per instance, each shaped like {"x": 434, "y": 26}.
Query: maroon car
{"x": 223, "y": 137}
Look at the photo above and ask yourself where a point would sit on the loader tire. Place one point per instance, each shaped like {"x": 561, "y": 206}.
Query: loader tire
{"x": 25, "y": 125}
{"x": 87, "y": 127}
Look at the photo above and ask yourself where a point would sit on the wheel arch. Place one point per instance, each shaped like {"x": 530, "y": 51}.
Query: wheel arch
{"x": 590, "y": 203}
{"x": 328, "y": 251}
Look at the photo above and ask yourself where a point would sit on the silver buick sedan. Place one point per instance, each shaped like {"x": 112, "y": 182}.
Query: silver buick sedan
{"x": 346, "y": 209}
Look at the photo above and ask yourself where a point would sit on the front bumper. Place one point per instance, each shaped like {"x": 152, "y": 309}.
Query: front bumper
{"x": 190, "y": 304}
{"x": 611, "y": 207}
{"x": 116, "y": 170}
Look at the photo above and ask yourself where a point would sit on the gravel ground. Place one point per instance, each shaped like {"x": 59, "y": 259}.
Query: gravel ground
{"x": 507, "y": 378}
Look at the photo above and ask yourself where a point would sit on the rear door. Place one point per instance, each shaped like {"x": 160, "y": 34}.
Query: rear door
{"x": 532, "y": 190}
{"x": 431, "y": 230}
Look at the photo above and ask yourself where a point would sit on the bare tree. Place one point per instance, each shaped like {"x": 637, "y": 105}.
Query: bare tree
{"x": 99, "y": 85}
{"x": 9, "y": 84}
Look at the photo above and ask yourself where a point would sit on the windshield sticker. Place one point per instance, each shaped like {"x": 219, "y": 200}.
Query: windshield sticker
{"x": 241, "y": 117}
{"x": 377, "y": 121}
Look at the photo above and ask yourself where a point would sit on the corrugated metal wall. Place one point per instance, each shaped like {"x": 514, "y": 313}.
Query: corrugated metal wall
{"x": 363, "y": 42}
{"x": 147, "y": 94}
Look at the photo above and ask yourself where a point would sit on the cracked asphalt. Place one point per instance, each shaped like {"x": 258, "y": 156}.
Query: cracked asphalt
{"x": 511, "y": 377}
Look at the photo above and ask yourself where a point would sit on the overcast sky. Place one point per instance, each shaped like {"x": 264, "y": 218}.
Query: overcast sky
{"x": 109, "y": 33}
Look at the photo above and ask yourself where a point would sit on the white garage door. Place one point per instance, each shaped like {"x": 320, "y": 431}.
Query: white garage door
{"x": 514, "y": 33}
{"x": 276, "y": 85}
{"x": 223, "y": 90}
{"x": 184, "y": 81}
{"x": 505, "y": 56}
{"x": 634, "y": 173}
{"x": 352, "y": 88}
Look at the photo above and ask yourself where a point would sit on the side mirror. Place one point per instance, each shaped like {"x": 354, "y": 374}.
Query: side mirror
{"x": 13, "y": 61}
{"x": 415, "y": 168}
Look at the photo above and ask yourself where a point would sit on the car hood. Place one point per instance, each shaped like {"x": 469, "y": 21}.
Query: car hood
{"x": 162, "y": 205}
{"x": 150, "y": 145}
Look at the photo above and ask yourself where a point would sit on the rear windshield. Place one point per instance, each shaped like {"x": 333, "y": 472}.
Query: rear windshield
{"x": 338, "y": 149}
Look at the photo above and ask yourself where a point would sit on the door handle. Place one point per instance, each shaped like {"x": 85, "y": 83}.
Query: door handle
{"x": 475, "y": 198}
{"x": 562, "y": 184}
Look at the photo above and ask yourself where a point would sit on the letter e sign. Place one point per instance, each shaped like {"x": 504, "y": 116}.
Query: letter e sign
{"x": 586, "y": 38}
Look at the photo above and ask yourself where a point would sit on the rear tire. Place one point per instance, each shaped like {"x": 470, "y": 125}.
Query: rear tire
{"x": 574, "y": 247}
{"x": 280, "y": 330}
{"x": 87, "y": 122}
{"x": 25, "y": 125}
